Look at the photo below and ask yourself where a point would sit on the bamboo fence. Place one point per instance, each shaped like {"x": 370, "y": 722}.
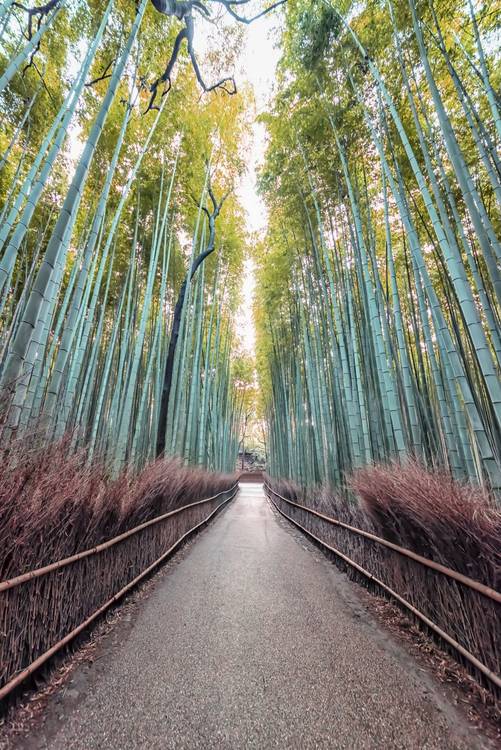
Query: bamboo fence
{"x": 42, "y": 610}
{"x": 463, "y": 613}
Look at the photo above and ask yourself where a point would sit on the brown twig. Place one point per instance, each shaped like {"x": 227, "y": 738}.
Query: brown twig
{"x": 36, "y": 11}
{"x": 104, "y": 75}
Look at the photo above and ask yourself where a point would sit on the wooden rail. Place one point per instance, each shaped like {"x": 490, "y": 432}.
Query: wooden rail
{"x": 475, "y": 585}
{"x": 19, "y": 580}
{"x": 449, "y": 572}
{"x": 38, "y": 572}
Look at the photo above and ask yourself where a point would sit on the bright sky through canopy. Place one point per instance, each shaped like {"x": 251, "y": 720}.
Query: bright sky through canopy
{"x": 257, "y": 68}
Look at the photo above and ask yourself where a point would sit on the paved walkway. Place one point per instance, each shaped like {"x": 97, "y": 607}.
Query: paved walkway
{"x": 251, "y": 639}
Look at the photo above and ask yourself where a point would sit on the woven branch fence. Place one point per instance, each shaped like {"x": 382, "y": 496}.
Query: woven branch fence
{"x": 463, "y": 613}
{"x": 42, "y": 610}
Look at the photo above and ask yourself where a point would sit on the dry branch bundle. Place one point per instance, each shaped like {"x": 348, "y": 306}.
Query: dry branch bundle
{"x": 430, "y": 514}
{"x": 53, "y": 505}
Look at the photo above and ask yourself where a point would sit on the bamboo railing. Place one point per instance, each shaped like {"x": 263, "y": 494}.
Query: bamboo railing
{"x": 465, "y": 616}
{"x": 43, "y": 610}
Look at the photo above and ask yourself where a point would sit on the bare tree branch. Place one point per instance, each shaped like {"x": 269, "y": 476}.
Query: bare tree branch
{"x": 104, "y": 75}
{"x": 183, "y": 10}
{"x": 200, "y": 205}
{"x": 40, "y": 11}
{"x": 32, "y": 64}
{"x": 230, "y": 5}
{"x": 165, "y": 78}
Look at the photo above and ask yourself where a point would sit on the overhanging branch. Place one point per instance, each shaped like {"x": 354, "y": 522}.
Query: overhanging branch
{"x": 231, "y": 4}
{"x": 36, "y": 12}
{"x": 183, "y": 10}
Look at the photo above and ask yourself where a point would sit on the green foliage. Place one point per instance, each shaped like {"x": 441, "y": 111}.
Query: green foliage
{"x": 316, "y": 28}
{"x": 378, "y": 306}
{"x": 94, "y": 357}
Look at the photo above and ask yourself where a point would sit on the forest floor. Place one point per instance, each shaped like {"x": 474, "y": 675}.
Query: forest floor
{"x": 251, "y": 638}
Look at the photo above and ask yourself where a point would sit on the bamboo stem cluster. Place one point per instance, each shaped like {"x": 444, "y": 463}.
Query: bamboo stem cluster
{"x": 87, "y": 304}
{"x": 386, "y": 343}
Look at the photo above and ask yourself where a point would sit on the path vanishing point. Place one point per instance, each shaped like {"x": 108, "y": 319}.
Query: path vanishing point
{"x": 251, "y": 638}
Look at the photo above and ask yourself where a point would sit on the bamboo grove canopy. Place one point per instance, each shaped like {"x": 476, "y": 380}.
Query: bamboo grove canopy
{"x": 378, "y": 301}
{"x": 379, "y": 289}
{"x": 103, "y": 209}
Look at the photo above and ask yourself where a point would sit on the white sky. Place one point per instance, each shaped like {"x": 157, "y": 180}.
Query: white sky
{"x": 257, "y": 67}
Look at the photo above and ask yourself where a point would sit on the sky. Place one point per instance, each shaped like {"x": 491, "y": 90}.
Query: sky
{"x": 257, "y": 67}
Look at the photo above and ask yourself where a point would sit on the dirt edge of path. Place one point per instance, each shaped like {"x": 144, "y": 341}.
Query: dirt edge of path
{"x": 27, "y": 714}
{"x": 478, "y": 706}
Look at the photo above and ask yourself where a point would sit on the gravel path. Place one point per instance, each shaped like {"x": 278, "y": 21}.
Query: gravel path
{"x": 251, "y": 639}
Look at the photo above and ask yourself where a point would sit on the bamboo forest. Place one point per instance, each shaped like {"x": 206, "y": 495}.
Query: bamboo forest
{"x": 250, "y": 258}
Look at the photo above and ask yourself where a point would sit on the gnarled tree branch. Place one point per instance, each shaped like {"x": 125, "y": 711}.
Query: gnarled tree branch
{"x": 36, "y": 12}
{"x": 212, "y": 216}
{"x": 231, "y": 4}
{"x": 183, "y": 10}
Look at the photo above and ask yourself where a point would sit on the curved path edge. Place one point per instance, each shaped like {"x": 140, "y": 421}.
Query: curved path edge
{"x": 251, "y": 639}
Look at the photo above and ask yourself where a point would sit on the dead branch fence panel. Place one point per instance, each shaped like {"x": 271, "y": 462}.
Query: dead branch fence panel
{"x": 462, "y": 612}
{"x": 42, "y": 610}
